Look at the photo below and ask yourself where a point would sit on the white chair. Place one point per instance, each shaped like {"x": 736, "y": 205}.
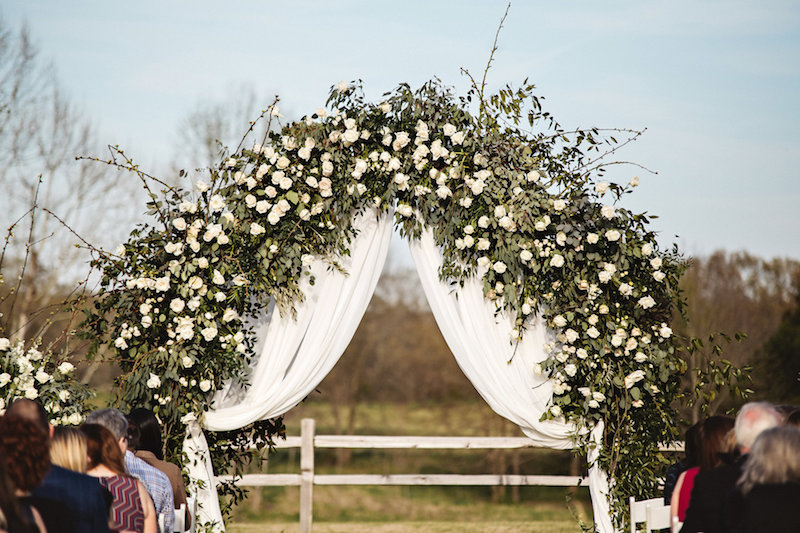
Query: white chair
{"x": 191, "y": 504}
{"x": 676, "y": 526}
{"x": 658, "y": 517}
{"x": 639, "y": 510}
{"x": 180, "y": 519}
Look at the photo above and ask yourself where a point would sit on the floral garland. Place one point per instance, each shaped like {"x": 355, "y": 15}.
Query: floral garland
{"x": 528, "y": 206}
{"x": 36, "y": 375}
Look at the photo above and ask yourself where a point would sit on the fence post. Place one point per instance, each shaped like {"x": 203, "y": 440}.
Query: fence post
{"x": 306, "y": 474}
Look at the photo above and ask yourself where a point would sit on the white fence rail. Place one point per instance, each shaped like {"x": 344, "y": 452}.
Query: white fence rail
{"x": 306, "y": 479}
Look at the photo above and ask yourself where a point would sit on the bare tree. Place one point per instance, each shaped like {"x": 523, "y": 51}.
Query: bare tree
{"x": 44, "y": 187}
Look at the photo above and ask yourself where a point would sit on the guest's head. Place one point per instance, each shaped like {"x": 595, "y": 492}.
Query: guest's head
{"x": 753, "y": 418}
{"x": 25, "y": 448}
{"x": 133, "y": 435}
{"x": 713, "y": 433}
{"x": 793, "y": 419}
{"x": 691, "y": 446}
{"x": 68, "y": 449}
{"x": 774, "y": 459}
{"x": 149, "y": 431}
{"x": 31, "y": 411}
{"x": 114, "y": 421}
{"x": 102, "y": 448}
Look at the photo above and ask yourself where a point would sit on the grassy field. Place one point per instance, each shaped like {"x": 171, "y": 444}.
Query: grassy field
{"x": 418, "y": 509}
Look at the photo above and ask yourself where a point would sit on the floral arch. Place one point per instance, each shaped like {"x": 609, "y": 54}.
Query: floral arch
{"x": 555, "y": 301}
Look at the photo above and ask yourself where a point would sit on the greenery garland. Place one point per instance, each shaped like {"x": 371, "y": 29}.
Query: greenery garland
{"x": 501, "y": 185}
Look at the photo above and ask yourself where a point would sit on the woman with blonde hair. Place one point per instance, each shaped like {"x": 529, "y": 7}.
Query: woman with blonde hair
{"x": 769, "y": 489}
{"x": 68, "y": 449}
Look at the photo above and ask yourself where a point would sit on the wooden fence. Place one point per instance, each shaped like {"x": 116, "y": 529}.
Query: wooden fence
{"x": 306, "y": 479}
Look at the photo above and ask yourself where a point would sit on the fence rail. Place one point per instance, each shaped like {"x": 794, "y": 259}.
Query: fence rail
{"x": 306, "y": 479}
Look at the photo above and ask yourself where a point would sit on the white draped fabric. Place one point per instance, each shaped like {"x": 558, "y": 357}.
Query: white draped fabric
{"x": 501, "y": 371}
{"x": 300, "y": 352}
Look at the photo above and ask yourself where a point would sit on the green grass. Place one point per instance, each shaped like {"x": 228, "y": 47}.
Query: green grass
{"x": 417, "y": 509}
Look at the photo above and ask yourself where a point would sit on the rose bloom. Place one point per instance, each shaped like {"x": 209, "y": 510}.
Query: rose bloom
{"x": 613, "y": 235}
{"x": 499, "y": 267}
{"x": 658, "y": 275}
{"x": 559, "y": 205}
{"x": 525, "y": 255}
{"x": 557, "y": 260}
{"x": 179, "y": 224}
{"x": 608, "y": 211}
{"x": 647, "y": 302}
{"x": 559, "y": 321}
{"x": 592, "y": 238}
{"x": 601, "y": 187}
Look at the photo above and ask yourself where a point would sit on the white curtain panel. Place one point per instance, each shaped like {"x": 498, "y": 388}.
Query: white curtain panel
{"x": 501, "y": 371}
{"x": 300, "y": 351}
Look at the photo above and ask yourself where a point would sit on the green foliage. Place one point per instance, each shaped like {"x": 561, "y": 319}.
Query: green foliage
{"x": 779, "y": 359}
{"x": 509, "y": 195}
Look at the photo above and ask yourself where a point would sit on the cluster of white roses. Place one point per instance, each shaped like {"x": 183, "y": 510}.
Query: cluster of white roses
{"x": 35, "y": 375}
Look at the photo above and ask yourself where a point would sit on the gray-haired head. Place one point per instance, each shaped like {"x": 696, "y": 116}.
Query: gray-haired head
{"x": 111, "y": 419}
{"x": 753, "y": 418}
{"x": 774, "y": 459}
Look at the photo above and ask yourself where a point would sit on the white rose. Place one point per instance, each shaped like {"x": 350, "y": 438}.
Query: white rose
{"x": 625, "y": 289}
{"x": 555, "y": 411}
{"x": 593, "y": 404}
{"x": 5, "y": 344}
{"x": 604, "y": 276}
{"x": 195, "y": 282}
{"x": 533, "y": 176}
{"x": 42, "y": 376}
{"x": 202, "y": 186}
{"x": 216, "y": 203}
{"x": 31, "y": 394}
{"x": 187, "y": 361}
{"x": 64, "y": 395}
{"x": 188, "y": 207}
{"x": 220, "y": 297}
{"x": 239, "y": 280}
{"x": 665, "y": 331}
{"x": 570, "y": 370}
{"x": 647, "y": 248}
{"x": 147, "y": 321}
{"x": 659, "y": 276}
{"x": 655, "y": 263}
{"x": 601, "y": 187}
{"x": 250, "y": 201}
{"x": 405, "y": 210}
{"x": 229, "y": 315}
{"x": 571, "y": 335}
{"x": 458, "y": 137}
{"x": 559, "y": 205}
{"x": 202, "y": 262}
{"x": 385, "y": 107}
{"x": 145, "y": 309}
{"x": 177, "y": 305}
{"x": 218, "y": 278}
{"x": 465, "y": 202}
{"x": 526, "y": 255}
{"x": 449, "y": 130}
{"x": 557, "y": 260}
{"x": 608, "y": 211}
{"x": 634, "y": 181}
{"x": 640, "y": 357}
{"x": 499, "y": 267}
{"x": 154, "y": 381}
{"x": 613, "y": 235}
{"x": 209, "y": 333}
{"x": 256, "y": 229}
{"x": 483, "y": 222}
{"x": 592, "y": 238}
{"x": 633, "y": 378}
{"x": 66, "y": 367}
{"x": 179, "y": 224}
{"x": 205, "y": 385}
{"x": 483, "y": 261}
{"x": 120, "y": 343}
{"x": 593, "y": 332}
{"x": 647, "y": 302}
{"x": 162, "y": 284}
{"x": 5, "y": 377}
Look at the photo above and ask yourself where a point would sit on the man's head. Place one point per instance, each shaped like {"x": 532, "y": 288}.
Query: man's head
{"x": 32, "y": 412}
{"x": 753, "y": 418}
{"x": 114, "y": 421}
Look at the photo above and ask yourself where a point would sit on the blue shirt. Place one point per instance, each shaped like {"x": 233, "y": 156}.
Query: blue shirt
{"x": 157, "y": 484}
{"x": 81, "y": 493}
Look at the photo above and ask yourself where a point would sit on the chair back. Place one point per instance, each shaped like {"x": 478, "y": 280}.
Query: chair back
{"x": 639, "y": 510}
{"x": 658, "y": 517}
{"x": 676, "y": 525}
{"x": 180, "y": 519}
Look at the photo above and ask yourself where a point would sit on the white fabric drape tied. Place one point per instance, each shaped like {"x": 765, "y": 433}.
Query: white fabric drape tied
{"x": 300, "y": 351}
{"x": 501, "y": 370}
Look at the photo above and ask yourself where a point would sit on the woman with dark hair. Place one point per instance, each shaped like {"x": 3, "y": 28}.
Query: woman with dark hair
{"x": 13, "y": 519}
{"x": 712, "y": 436}
{"x": 690, "y": 446}
{"x": 131, "y": 509}
{"x": 147, "y": 445}
{"x": 768, "y": 491}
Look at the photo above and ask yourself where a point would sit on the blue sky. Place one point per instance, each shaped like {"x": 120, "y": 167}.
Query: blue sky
{"x": 715, "y": 82}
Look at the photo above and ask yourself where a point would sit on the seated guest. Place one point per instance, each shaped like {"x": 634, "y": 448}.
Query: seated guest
{"x": 711, "y": 488}
{"x": 132, "y": 509}
{"x": 144, "y": 439}
{"x": 769, "y": 489}
{"x": 24, "y": 450}
{"x": 156, "y": 482}
{"x": 689, "y": 460}
{"x": 712, "y": 435}
{"x": 68, "y": 449}
{"x": 14, "y": 517}
{"x": 81, "y": 494}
